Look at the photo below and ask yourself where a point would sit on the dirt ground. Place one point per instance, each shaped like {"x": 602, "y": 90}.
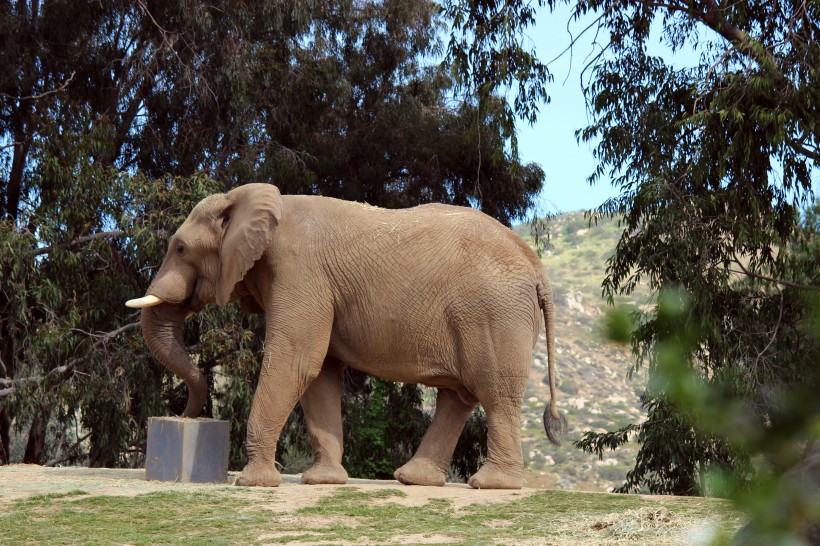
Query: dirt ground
{"x": 656, "y": 525}
{"x": 21, "y": 481}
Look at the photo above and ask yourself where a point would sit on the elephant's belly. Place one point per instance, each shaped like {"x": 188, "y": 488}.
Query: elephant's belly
{"x": 403, "y": 361}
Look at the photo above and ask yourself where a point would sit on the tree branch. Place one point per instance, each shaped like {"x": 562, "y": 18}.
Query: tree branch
{"x": 44, "y": 94}
{"x": 709, "y": 13}
{"x": 774, "y": 334}
{"x": 800, "y": 148}
{"x": 106, "y": 336}
{"x": 34, "y": 379}
{"x": 12, "y": 384}
{"x": 58, "y": 460}
{"x": 713, "y": 19}
{"x": 772, "y": 279}
{"x": 12, "y": 145}
{"x": 78, "y": 241}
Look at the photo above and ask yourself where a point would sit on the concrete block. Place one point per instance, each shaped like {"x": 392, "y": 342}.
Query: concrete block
{"x": 187, "y": 450}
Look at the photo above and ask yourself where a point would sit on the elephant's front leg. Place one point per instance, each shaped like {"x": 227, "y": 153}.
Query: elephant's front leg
{"x": 322, "y": 406}
{"x": 287, "y": 372}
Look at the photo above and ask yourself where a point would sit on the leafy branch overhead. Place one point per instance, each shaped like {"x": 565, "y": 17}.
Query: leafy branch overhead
{"x": 714, "y": 166}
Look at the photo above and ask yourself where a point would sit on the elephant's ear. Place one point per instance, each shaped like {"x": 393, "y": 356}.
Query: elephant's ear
{"x": 248, "y": 222}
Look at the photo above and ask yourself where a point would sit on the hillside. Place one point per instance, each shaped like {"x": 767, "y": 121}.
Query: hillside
{"x": 593, "y": 389}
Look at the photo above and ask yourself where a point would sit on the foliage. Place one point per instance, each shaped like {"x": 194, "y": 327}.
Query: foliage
{"x": 715, "y": 163}
{"x": 60, "y": 339}
{"x": 706, "y": 208}
{"x": 471, "y": 449}
{"x": 114, "y": 126}
{"x": 783, "y": 451}
{"x": 384, "y": 423}
{"x": 487, "y": 53}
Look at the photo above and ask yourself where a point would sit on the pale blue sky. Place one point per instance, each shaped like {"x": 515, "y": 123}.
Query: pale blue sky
{"x": 551, "y": 141}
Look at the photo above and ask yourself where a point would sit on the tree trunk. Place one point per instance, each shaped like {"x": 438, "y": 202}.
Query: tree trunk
{"x": 6, "y": 372}
{"x": 5, "y": 439}
{"x": 22, "y": 142}
{"x": 37, "y": 438}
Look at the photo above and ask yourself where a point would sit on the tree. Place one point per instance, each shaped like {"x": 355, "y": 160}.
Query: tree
{"x": 113, "y": 127}
{"x": 715, "y": 163}
{"x": 705, "y": 209}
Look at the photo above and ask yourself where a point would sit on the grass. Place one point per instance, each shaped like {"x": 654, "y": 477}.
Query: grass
{"x": 145, "y": 519}
{"x": 350, "y": 515}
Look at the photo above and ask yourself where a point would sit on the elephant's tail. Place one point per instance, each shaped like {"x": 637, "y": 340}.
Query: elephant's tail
{"x": 555, "y": 424}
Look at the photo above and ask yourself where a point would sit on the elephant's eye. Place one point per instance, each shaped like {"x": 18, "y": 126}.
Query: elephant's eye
{"x": 180, "y": 249}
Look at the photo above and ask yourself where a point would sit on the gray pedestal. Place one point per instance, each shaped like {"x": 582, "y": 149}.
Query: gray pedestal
{"x": 187, "y": 450}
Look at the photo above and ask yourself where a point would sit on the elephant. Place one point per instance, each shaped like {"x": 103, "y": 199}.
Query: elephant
{"x": 436, "y": 294}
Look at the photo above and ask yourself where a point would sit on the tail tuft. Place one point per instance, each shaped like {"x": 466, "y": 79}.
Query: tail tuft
{"x": 556, "y": 428}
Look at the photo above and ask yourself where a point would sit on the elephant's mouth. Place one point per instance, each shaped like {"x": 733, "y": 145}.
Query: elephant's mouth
{"x": 192, "y": 303}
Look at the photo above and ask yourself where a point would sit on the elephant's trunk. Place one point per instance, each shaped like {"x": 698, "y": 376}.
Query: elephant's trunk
{"x": 162, "y": 327}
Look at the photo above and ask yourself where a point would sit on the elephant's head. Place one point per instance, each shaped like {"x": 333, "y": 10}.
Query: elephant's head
{"x": 210, "y": 253}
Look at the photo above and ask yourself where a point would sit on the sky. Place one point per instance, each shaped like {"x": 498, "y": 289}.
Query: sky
{"x": 551, "y": 141}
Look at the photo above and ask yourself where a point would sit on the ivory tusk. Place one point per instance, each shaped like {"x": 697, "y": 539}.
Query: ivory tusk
{"x": 145, "y": 301}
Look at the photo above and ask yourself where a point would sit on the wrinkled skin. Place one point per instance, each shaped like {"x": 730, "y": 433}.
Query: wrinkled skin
{"x": 439, "y": 295}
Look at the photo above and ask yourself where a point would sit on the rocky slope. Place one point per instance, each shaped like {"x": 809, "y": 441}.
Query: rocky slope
{"x": 593, "y": 389}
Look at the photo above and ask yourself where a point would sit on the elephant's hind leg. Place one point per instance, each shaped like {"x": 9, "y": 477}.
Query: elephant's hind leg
{"x": 322, "y": 406}
{"x": 432, "y": 459}
{"x": 504, "y": 466}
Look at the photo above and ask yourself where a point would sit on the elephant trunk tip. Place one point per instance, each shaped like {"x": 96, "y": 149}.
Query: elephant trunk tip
{"x": 197, "y": 395}
{"x": 555, "y": 424}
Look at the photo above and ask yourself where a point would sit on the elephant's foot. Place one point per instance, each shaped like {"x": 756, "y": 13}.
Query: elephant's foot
{"x": 491, "y": 476}
{"x": 420, "y": 472}
{"x": 259, "y": 475}
{"x": 324, "y": 473}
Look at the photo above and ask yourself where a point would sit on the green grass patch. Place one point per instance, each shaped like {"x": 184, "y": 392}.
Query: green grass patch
{"x": 165, "y": 517}
{"x": 551, "y": 515}
{"x": 54, "y": 496}
{"x": 352, "y": 515}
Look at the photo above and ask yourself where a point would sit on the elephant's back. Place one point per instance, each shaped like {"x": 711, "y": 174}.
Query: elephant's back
{"x": 427, "y": 234}
{"x": 465, "y": 257}
{"x": 430, "y": 239}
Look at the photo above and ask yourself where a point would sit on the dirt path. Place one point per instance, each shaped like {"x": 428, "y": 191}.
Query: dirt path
{"x": 21, "y": 481}
{"x": 661, "y": 521}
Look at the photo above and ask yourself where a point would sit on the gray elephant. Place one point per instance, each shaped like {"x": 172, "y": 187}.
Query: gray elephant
{"x": 436, "y": 294}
